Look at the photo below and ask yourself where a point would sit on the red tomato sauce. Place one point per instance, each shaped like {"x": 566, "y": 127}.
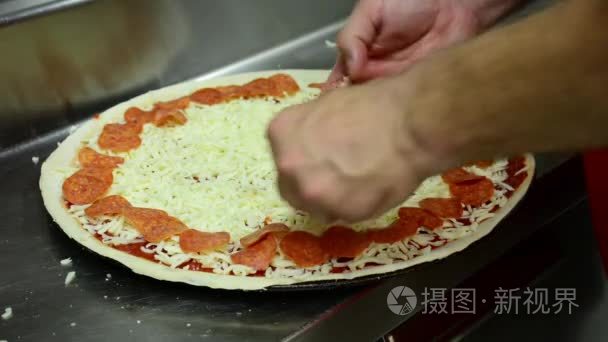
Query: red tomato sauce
{"x": 194, "y": 265}
{"x": 135, "y": 249}
{"x": 339, "y": 269}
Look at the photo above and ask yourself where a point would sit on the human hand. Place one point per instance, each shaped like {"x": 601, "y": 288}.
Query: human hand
{"x": 385, "y": 37}
{"x": 348, "y": 155}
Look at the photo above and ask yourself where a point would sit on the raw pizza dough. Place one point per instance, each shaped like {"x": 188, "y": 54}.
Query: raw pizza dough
{"x": 53, "y": 175}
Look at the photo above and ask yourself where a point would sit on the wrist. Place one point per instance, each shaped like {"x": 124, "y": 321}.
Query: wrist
{"x": 417, "y": 136}
{"x": 434, "y": 137}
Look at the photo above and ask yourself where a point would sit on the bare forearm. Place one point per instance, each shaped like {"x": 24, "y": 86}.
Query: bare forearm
{"x": 538, "y": 85}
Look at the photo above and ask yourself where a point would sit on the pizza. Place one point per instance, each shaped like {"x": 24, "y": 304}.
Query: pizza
{"x": 179, "y": 184}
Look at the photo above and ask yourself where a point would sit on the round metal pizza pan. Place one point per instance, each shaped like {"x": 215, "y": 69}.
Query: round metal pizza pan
{"x": 342, "y": 283}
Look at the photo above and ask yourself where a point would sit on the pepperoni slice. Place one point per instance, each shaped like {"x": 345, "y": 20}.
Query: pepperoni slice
{"x": 304, "y": 249}
{"x": 254, "y": 237}
{"x": 262, "y": 87}
{"x": 397, "y": 231}
{"x": 129, "y": 127}
{"x": 87, "y": 185}
{"x": 278, "y": 236}
{"x": 473, "y": 193}
{"x": 162, "y": 228}
{"x": 232, "y": 92}
{"x": 257, "y": 256}
{"x": 139, "y": 216}
{"x": 102, "y": 173}
{"x": 327, "y": 86}
{"x": 155, "y": 225}
{"x": 194, "y": 241}
{"x": 317, "y": 85}
{"x": 177, "y": 104}
{"x": 343, "y": 242}
{"x": 442, "y": 207}
{"x": 285, "y": 84}
{"x": 110, "y": 205}
{"x": 420, "y": 216}
{"x": 138, "y": 116}
{"x": 88, "y": 157}
{"x": 459, "y": 175}
{"x": 208, "y": 96}
{"x": 120, "y": 137}
{"x": 169, "y": 117}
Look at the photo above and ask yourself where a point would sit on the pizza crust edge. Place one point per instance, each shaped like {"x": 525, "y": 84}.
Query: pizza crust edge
{"x": 51, "y": 182}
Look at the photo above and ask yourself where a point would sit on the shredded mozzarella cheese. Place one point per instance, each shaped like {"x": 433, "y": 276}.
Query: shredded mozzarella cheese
{"x": 8, "y": 313}
{"x": 69, "y": 277}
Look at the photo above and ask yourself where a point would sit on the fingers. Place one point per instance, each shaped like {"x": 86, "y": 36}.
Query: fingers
{"x": 375, "y": 69}
{"x": 280, "y": 134}
{"x": 317, "y": 191}
{"x": 400, "y": 61}
{"x": 302, "y": 182}
{"x": 355, "y": 37}
{"x": 339, "y": 70}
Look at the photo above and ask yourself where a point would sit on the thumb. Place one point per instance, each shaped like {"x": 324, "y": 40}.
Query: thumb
{"x": 358, "y": 33}
{"x": 351, "y": 58}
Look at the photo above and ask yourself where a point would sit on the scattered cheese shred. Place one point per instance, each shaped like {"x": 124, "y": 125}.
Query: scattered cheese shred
{"x": 70, "y": 277}
{"x": 8, "y": 313}
{"x": 66, "y": 262}
{"x": 330, "y": 44}
{"x": 35, "y": 160}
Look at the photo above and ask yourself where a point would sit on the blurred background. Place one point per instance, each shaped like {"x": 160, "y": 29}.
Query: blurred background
{"x": 64, "y": 60}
